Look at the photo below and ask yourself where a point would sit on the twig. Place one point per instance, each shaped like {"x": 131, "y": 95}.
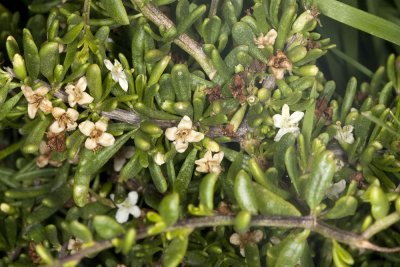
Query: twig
{"x": 189, "y": 45}
{"x": 213, "y": 8}
{"x": 131, "y": 117}
{"x": 306, "y": 222}
{"x": 381, "y": 224}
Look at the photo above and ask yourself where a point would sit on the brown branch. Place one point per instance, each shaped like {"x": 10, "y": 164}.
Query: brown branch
{"x": 306, "y": 222}
{"x": 152, "y": 13}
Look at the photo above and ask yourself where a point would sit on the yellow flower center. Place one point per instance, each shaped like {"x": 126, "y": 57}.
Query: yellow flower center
{"x": 182, "y": 133}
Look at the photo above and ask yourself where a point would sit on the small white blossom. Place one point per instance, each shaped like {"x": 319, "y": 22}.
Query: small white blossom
{"x": 74, "y": 245}
{"x": 287, "y": 123}
{"x": 183, "y": 135}
{"x": 64, "y": 120}
{"x": 210, "y": 163}
{"x": 344, "y": 134}
{"x": 76, "y": 93}
{"x": 96, "y": 133}
{"x": 335, "y": 189}
{"x": 121, "y": 157}
{"x": 36, "y": 100}
{"x": 242, "y": 240}
{"x": 159, "y": 158}
{"x": 128, "y": 206}
{"x": 266, "y": 40}
{"x": 117, "y": 73}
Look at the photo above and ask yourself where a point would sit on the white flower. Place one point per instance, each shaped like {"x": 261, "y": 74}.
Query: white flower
{"x": 344, "y": 134}
{"x": 183, "y": 135}
{"x": 335, "y": 189}
{"x": 210, "y": 163}
{"x": 128, "y": 206}
{"x": 76, "y": 93}
{"x": 121, "y": 157}
{"x": 74, "y": 245}
{"x": 96, "y": 134}
{"x": 242, "y": 240}
{"x": 287, "y": 123}
{"x": 265, "y": 40}
{"x": 159, "y": 158}
{"x": 64, "y": 120}
{"x": 117, "y": 73}
{"x": 36, "y": 100}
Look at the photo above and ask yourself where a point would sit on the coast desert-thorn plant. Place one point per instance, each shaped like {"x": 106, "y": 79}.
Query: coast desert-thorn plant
{"x": 198, "y": 133}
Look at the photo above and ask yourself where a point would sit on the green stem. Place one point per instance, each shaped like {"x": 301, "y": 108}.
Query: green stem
{"x": 86, "y": 15}
{"x": 306, "y": 222}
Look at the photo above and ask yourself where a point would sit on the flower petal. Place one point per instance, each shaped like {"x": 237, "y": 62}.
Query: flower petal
{"x": 123, "y": 82}
{"x": 106, "y": 139}
{"x": 57, "y": 112}
{"x": 117, "y": 64}
{"x": 122, "y": 215}
{"x": 46, "y": 106}
{"x": 72, "y": 114}
{"x": 101, "y": 125}
{"x": 71, "y": 100}
{"x": 32, "y": 109}
{"x": 257, "y": 235}
{"x": 219, "y": 157}
{"x": 42, "y": 90}
{"x": 181, "y": 146}
{"x": 133, "y": 197}
{"x": 280, "y": 133}
{"x": 278, "y": 120}
{"x": 85, "y": 99}
{"x": 208, "y": 155}
{"x": 71, "y": 126}
{"x": 70, "y": 89}
{"x": 202, "y": 168}
{"x": 296, "y": 116}
{"x": 285, "y": 111}
{"x": 81, "y": 84}
{"x": 170, "y": 133}
{"x": 27, "y": 91}
{"x": 135, "y": 211}
{"x": 215, "y": 168}
{"x": 271, "y": 36}
{"x": 185, "y": 123}
{"x": 108, "y": 64}
{"x": 42, "y": 161}
{"x": 55, "y": 127}
{"x": 194, "y": 137}
{"x": 235, "y": 239}
{"x": 86, "y": 127}
{"x": 201, "y": 161}
{"x": 90, "y": 143}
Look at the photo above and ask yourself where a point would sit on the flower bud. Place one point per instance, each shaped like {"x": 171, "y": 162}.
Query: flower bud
{"x": 301, "y": 21}
{"x": 19, "y": 66}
